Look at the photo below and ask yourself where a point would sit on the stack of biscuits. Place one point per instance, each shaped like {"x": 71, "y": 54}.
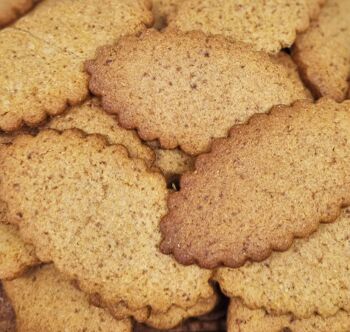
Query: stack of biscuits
{"x": 176, "y": 165}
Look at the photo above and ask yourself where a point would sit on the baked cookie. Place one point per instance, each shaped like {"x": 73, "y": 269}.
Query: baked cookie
{"x": 267, "y": 25}
{"x": 10, "y": 10}
{"x": 97, "y": 220}
{"x": 44, "y": 300}
{"x": 323, "y": 51}
{"x": 242, "y": 319}
{"x": 299, "y": 280}
{"x": 273, "y": 179}
{"x": 90, "y": 118}
{"x": 42, "y": 69}
{"x": 185, "y": 89}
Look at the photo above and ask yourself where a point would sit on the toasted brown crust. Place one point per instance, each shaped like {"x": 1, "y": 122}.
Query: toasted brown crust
{"x": 186, "y": 88}
{"x": 258, "y": 189}
{"x": 42, "y": 72}
{"x": 104, "y": 192}
{"x": 268, "y": 25}
{"x": 10, "y": 10}
{"x": 323, "y": 52}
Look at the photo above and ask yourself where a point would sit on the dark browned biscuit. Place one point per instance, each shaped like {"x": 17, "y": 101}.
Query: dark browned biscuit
{"x": 44, "y": 300}
{"x": 12, "y": 9}
{"x": 273, "y": 179}
{"x": 185, "y": 88}
{"x": 95, "y": 213}
{"x": 323, "y": 51}
{"x": 42, "y": 54}
{"x": 267, "y": 25}
{"x": 242, "y": 319}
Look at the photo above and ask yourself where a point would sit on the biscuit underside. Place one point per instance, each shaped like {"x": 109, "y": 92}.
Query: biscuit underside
{"x": 206, "y": 193}
{"x": 37, "y": 152}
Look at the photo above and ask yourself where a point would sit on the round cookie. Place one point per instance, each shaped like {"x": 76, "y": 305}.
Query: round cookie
{"x": 273, "y": 179}
{"x": 186, "y": 89}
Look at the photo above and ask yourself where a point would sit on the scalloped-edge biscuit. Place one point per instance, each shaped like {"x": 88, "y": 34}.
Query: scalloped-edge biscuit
{"x": 44, "y": 300}
{"x": 91, "y": 119}
{"x": 311, "y": 277}
{"x": 10, "y": 10}
{"x": 97, "y": 220}
{"x": 242, "y": 319}
{"x": 43, "y": 54}
{"x": 323, "y": 51}
{"x": 267, "y": 25}
{"x": 273, "y": 179}
{"x": 185, "y": 88}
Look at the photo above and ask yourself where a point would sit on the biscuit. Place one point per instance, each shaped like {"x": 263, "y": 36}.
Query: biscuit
{"x": 185, "y": 89}
{"x": 273, "y": 179}
{"x": 43, "y": 54}
{"x": 10, "y": 10}
{"x": 44, "y": 300}
{"x": 90, "y": 118}
{"x": 7, "y": 315}
{"x": 294, "y": 281}
{"x": 15, "y": 255}
{"x": 97, "y": 220}
{"x": 323, "y": 51}
{"x": 267, "y": 25}
{"x": 242, "y": 319}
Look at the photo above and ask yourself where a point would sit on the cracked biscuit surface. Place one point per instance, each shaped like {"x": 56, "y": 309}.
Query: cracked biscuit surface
{"x": 273, "y": 179}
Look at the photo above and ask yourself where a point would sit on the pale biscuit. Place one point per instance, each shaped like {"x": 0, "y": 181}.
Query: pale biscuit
{"x": 311, "y": 277}
{"x": 185, "y": 89}
{"x": 268, "y": 25}
{"x": 44, "y": 300}
{"x": 90, "y": 118}
{"x": 42, "y": 54}
{"x": 323, "y": 51}
{"x": 273, "y": 179}
{"x": 97, "y": 220}
{"x": 10, "y": 10}
{"x": 242, "y": 319}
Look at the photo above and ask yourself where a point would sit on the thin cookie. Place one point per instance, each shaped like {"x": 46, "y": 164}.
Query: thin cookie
{"x": 242, "y": 319}
{"x": 10, "y": 10}
{"x": 97, "y": 220}
{"x": 90, "y": 118}
{"x": 185, "y": 89}
{"x": 273, "y": 179}
{"x": 267, "y": 25}
{"x": 44, "y": 300}
{"x": 323, "y": 51}
{"x": 42, "y": 69}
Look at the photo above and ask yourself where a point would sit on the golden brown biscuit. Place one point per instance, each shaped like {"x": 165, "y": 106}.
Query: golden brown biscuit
{"x": 185, "y": 89}
{"x": 242, "y": 319}
{"x": 41, "y": 71}
{"x": 12, "y": 9}
{"x": 90, "y": 118}
{"x": 273, "y": 179}
{"x": 268, "y": 25}
{"x": 311, "y": 277}
{"x": 323, "y": 51}
{"x": 44, "y": 300}
{"x": 97, "y": 220}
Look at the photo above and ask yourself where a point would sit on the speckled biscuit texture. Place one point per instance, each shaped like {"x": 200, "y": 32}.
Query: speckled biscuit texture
{"x": 44, "y": 300}
{"x": 185, "y": 88}
{"x": 268, "y": 25}
{"x": 90, "y": 118}
{"x": 12, "y": 9}
{"x": 273, "y": 179}
{"x": 311, "y": 277}
{"x": 43, "y": 54}
{"x": 97, "y": 220}
{"x": 243, "y": 319}
{"x": 323, "y": 51}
